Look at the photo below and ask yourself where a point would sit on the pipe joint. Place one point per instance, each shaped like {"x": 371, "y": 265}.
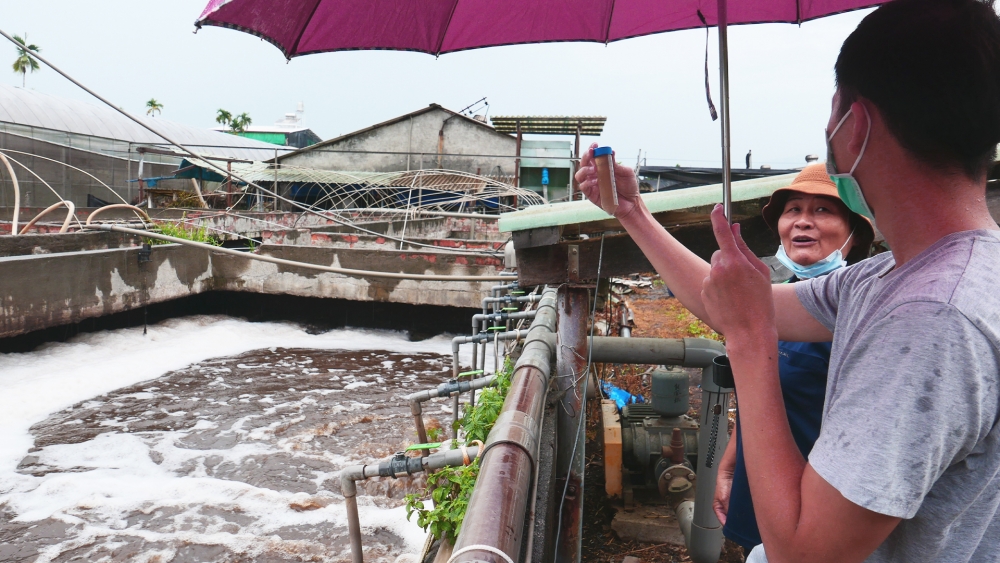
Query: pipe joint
{"x": 515, "y": 428}
{"x": 400, "y": 466}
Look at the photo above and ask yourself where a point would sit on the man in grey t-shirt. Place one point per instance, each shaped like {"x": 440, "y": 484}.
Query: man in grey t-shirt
{"x": 909, "y": 425}
{"x": 907, "y": 464}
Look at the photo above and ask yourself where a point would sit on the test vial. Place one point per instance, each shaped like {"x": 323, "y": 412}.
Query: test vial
{"x": 604, "y": 159}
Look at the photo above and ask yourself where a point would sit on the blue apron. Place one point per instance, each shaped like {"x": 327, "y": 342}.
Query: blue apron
{"x": 802, "y": 369}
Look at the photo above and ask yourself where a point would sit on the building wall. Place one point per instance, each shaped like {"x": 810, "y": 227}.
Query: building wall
{"x": 417, "y": 136}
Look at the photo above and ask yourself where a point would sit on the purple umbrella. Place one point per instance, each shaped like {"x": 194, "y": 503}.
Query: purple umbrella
{"x": 303, "y": 27}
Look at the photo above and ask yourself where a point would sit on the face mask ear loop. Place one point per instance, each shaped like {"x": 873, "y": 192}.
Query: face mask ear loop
{"x": 839, "y": 125}
{"x": 865, "y": 144}
{"x": 847, "y": 241}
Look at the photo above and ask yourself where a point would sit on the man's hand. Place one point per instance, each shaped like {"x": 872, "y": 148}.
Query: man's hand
{"x": 737, "y": 291}
{"x": 625, "y": 181}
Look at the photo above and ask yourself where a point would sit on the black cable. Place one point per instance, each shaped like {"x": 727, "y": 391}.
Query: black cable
{"x": 583, "y": 400}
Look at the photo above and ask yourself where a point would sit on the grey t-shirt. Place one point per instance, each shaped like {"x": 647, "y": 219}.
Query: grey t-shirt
{"x": 910, "y": 421}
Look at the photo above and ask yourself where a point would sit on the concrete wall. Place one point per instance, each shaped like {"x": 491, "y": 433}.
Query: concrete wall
{"x": 419, "y": 137}
{"x": 39, "y": 291}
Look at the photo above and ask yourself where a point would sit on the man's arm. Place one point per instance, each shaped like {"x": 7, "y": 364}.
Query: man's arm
{"x": 801, "y": 517}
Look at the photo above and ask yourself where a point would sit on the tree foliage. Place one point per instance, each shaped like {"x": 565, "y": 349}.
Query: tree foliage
{"x": 236, "y": 123}
{"x": 153, "y": 107}
{"x": 24, "y": 62}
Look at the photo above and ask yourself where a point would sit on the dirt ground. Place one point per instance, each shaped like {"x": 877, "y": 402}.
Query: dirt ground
{"x": 656, "y": 314}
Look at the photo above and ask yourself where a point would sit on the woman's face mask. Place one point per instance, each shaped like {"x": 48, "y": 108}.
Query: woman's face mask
{"x": 847, "y": 186}
{"x": 825, "y": 266}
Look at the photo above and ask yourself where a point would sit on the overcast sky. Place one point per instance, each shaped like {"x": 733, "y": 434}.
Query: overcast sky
{"x": 651, "y": 89}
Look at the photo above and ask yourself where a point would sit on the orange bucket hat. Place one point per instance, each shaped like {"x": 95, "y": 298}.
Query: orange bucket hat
{"x": 814, "y": 180}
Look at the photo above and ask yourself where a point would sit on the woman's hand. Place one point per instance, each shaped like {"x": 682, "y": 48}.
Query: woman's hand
{"x": 625, "y": 181}
{"x": 737, "y": 292}
{"x": 723, "y": 487}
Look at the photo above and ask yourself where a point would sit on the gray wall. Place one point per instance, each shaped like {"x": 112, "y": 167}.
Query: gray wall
{"x": 417, "y": 135}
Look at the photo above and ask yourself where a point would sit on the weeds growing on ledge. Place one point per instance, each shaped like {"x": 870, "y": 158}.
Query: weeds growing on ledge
{"x": 196, "y": 234}
{"x": 450, "y": 488}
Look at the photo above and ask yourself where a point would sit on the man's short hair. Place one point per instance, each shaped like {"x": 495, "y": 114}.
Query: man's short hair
{"x": 932, "y": 68}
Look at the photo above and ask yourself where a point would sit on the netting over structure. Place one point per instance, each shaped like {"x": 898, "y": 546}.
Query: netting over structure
{"x": 362, "y": 193}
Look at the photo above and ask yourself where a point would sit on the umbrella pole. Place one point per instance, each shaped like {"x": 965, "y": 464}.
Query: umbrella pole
{"x": 727, "y": 175}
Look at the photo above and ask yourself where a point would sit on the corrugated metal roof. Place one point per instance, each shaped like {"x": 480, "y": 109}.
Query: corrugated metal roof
{"x": 549, "y": 124}
{"x": 36, "y": 109}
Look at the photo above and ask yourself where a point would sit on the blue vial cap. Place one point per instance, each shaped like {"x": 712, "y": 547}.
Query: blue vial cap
{"x": 602, "y": 151}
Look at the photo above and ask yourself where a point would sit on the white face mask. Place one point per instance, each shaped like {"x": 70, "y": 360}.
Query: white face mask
{"x": 822, "y": 267}
{"x": 847, "y": 186}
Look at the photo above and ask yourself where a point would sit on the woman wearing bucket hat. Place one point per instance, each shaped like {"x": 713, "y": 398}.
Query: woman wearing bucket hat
{"x": 818, "y": 234}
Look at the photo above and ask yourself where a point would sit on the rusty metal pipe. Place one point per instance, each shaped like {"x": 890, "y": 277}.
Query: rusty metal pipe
{"x": 497, "y": 509}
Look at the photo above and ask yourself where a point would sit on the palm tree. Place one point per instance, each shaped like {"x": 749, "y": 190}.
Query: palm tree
{"x": 223, "y": 117}
{"x": 240, "y": 123}
{"x": 153, "y": 107}
{"x": 24, "y": 61}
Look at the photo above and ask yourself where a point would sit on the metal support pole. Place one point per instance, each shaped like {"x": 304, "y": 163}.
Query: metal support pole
{"x": 574, "y": 186}
{"x": 571, "y": 365}
{"x": 517, "y": 159}
{"x": 727, "y": 176}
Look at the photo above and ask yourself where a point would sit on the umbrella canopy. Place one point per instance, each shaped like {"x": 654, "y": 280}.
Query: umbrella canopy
{"x": 302, "y": 27}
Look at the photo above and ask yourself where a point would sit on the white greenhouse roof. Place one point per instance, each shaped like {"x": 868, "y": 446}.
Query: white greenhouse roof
{"x": 36, "y": 109}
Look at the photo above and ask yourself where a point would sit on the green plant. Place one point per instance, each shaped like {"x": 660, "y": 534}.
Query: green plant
{"x": 197, "y": 234}
{"x": 696, "y": 330}
{"x": 24, "y": 61}
{"x": 434, "y": 434}
{"x": 658, "y": 283}
{"x": 450, "y": 489}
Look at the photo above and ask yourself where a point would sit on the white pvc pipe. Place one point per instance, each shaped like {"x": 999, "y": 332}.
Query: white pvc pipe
{"x": 70, "y": 210}
{"x": 17, "y": 194}
{"x": 100, "y": 210}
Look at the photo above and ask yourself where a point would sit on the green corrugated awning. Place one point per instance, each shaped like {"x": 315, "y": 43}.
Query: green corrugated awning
{"x": 575, "y": 212}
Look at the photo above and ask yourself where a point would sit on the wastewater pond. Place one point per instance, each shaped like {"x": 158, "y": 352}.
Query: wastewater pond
{"x": 227, "y": 458}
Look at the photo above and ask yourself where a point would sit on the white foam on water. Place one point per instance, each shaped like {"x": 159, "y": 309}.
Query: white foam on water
{"x": 97, "y": 484}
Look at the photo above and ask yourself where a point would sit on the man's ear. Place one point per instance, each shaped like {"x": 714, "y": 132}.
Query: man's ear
{"x": 861, "y": 116}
